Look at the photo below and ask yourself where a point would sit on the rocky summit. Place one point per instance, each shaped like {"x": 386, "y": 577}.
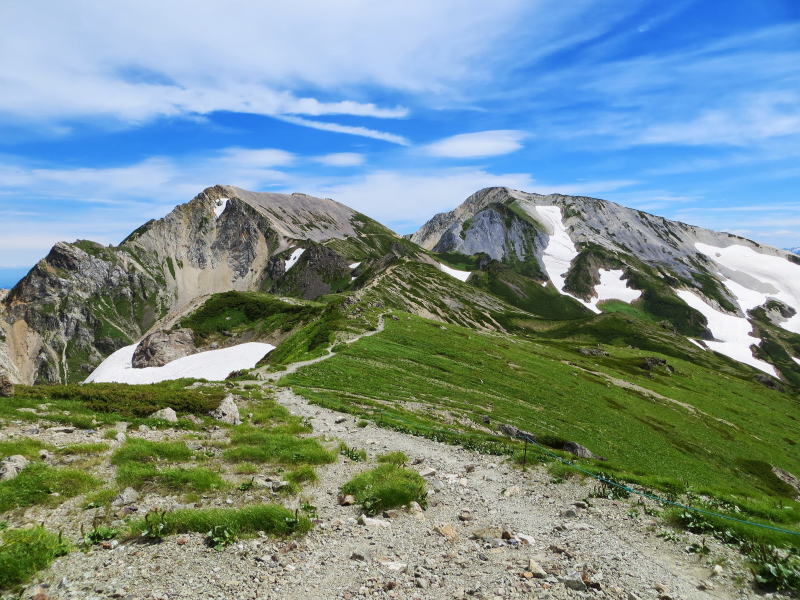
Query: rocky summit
{"x": 275, "y": 396}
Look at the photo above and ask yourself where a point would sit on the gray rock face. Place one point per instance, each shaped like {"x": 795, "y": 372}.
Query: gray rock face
{"x": 162, "y": 347}
{"x": 11, "y": 466}
{"x": 474, "y": 226}
{"x": 228, "y": 411}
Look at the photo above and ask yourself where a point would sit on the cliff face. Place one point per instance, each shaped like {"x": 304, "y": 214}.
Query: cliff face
{"x": 84, "y": 301}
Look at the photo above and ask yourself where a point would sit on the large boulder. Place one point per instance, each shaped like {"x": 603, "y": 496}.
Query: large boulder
{"x": 162, "y": 347}
{"x": 165, "y": 414}
{"x": 227, "y": 411}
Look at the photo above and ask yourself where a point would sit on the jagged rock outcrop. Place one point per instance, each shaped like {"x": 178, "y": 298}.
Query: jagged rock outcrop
{"x": 318, "y": 271}
{"x": 6, "y": 387}
{"x": 162, "y": 347}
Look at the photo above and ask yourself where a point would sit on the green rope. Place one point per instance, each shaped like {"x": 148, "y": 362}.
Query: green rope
{"x": 653, "y": 496}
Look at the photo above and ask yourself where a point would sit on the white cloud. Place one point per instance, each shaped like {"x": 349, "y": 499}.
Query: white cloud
{"x": 135, "y": 60}
{"x": 756, "y": 117}
{"x": 341, "y": 159}
{"x": 478, "y": 144}
{"x": 348, "y": 129}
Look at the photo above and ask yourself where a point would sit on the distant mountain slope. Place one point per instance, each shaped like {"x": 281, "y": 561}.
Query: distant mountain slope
{"x": 733, "y": 295}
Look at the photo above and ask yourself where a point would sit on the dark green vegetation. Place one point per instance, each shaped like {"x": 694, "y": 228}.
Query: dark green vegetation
{"x": 41, "y": 484}
{"x": 386, "y": 486}
{"x": 25, "y": 551}
{"x": 109, "y": 402}
{"x": 261, "y": 315}
{"x": 272, "y": 519}
{"x": 689, "y": 429}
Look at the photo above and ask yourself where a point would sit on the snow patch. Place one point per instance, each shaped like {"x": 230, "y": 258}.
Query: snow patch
{"x": 613, "y": 287}
{"x": 732, "y": 333}
{"x": 772, "y": 272}
{"x": 220, "y": 207}
{"x": 355, "y": 265}
{"x": 560, "y": 250}
{"x": 460, "y": 275}
{"x": 295, "y": 256}
{"x": 797, "y": 360}
{"x": 214, "y": 365}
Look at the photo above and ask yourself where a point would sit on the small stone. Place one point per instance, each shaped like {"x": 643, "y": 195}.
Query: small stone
{"x": 465, "y": 515}
{"x": 507, "y": 534}
{"x": 525, "y": 539}
{"x": 705, "y": 586}
{"x": 569, "y": 514}
{"x": 340, "y": 420}
{"x": 514, "y": 490}
{"x": 487, "y": 534}
{"x": 357, "y": 556}
{"x": 125, "y": 497}
{"x": 414, "y": 508}
{"x": 447, "y": 531}
{"x": 181, "y": 541}
{"x": 165, "y": 414}
{"x": 347, "y": 500}
{"x": 580, "y": 504}
{"x": 573, "y": 581}
{"x": 716, "y": 570}
{"x": 121, "y": 436}
{"x": 428, "y": 472}
{"x": 372, "y": 523}
{"x": 536, "y": 569}
{"x": 392, "y": 513}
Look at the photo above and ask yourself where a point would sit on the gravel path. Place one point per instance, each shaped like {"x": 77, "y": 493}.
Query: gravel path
{"x": 404, "y": 556}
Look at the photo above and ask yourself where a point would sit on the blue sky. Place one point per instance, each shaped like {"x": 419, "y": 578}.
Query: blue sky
{"x": 113, "y": 112}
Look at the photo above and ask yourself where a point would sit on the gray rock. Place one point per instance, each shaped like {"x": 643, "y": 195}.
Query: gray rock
{"x": 573, "y": 581}
{"x": 6, "y": 387}
{"x": 228, "y": 411}
{"x": 125, "y": 497}
{"x": 11, "y": 466}
{"x": 166, "y": 414}
{"x": 162, "y": 347}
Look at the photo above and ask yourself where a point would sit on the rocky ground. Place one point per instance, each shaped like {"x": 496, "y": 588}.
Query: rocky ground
{"x": 490, "y": 531}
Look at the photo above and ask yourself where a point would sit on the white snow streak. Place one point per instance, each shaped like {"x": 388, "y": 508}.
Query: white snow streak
{"x": 295, "y": 256}
{"x": 460, "y": 275}
{"x": 560, "y": 250}
{"x": 558, "y": 257}
{"x": 773, "y": 271}
{"x": 732, "y": 333}
{"x": 220, "y": 207}
{"x": 355, "y": 265}
{"x": 214, "y": 365}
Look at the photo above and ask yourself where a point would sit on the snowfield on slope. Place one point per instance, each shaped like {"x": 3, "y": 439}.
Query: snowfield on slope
{"x": 775, "y": 277}
{"x": 559, "y": 254}
{"x": 460, "y": 275}
{"x": 732, "y": 333}
{"x": 222, "y": 203}
{"x": 293, "y": 258}
{"x": 214, "y": 365}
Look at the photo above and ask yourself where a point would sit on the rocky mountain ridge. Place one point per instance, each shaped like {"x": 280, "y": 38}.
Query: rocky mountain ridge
{"x": 501, "y": 258}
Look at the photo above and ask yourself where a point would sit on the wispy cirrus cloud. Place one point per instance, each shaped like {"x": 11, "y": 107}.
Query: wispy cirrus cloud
{"x": 348, "y": 129}
{"x": 478, "y": 144}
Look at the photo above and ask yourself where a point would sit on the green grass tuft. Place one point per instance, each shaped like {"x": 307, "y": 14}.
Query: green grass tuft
{"x": 41, "y": 484}
{"x": 386, "y": 486}
{"x": 23, "y": 552}
{"x": 272, "y": 519}
{"x": 251, "y": 445}
{"x": 398, "y": 458}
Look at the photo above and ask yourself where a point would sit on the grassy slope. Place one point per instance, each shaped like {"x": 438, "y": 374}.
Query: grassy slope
{"x": 441, "y": 380}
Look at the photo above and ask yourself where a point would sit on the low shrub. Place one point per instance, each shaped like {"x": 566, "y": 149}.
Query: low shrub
{"x": 386, "y": 486}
